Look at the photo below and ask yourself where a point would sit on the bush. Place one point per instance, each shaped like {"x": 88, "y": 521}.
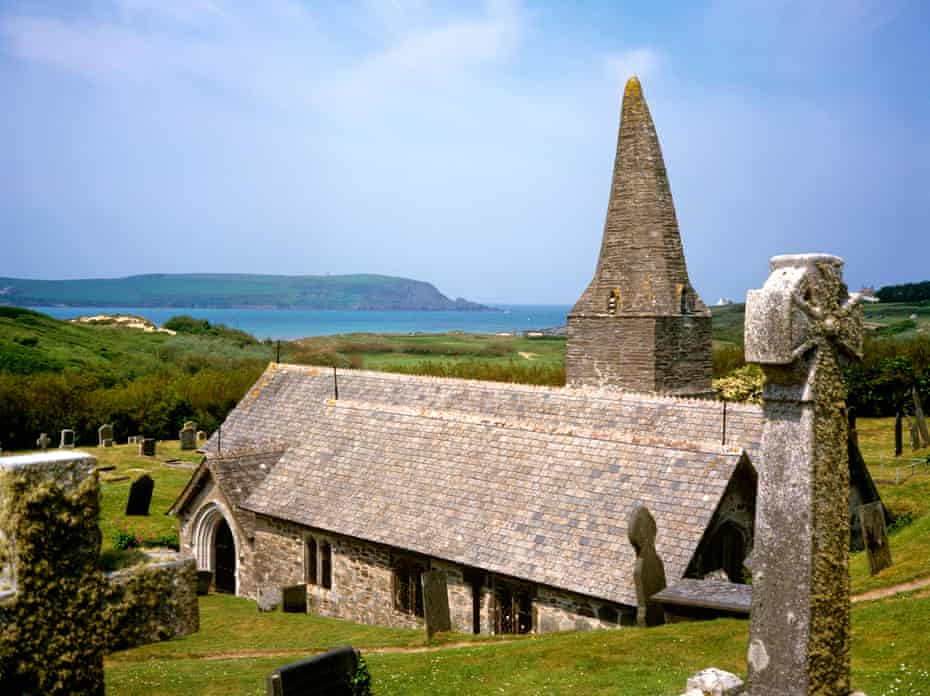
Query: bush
{"x": 125, "y": 539}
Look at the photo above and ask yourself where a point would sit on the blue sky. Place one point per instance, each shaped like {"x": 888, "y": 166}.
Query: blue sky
{"x": 467, "y": 144}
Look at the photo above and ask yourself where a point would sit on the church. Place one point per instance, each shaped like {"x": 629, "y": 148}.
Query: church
{"x": 355, "y": 483}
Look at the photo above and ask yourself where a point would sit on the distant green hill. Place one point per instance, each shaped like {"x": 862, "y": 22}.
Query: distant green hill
{"x": 233, "y": 290}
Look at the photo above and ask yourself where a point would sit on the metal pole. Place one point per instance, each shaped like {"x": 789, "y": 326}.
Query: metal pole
{"x": 335, "y": 385}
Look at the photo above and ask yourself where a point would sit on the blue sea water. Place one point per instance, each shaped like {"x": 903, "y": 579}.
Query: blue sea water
{"x": 297, "y": 323}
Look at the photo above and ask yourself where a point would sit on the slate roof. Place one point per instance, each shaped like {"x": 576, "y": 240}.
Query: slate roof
{"x": 535, "y": 497}
{"x": 236, "y": 474}
{"x": 276, "y": 412}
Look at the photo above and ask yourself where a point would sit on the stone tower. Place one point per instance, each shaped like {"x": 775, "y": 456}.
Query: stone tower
{"x": 640, "y": 325}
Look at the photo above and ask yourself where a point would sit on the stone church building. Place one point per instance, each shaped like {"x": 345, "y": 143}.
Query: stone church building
{"x": 355, "y": 482}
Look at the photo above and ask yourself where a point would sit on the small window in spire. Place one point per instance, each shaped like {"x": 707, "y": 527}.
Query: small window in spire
{"x": 612, "y": 302}
{"x": 684, "y": 300}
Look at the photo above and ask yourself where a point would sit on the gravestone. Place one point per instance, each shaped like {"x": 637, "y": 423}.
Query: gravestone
{"x": 919, "y": 417}
{"x": 43, "y": 442}
{"x": 915, "y": 434}
{"x": 436, "y": 602}
{"x": 67, "y": 439}
{"x": 294, "y": 599}
{"x": 797, "y": 327}
{"x": 269, "y": 598}
{"x": 104, "y": 433}
{"x": 898, "y": 435}
{"x": 201, "y": 436}
{"x": 875, "y": 536}
{"x": 140, "y": 496}
{"x": 649, "y": 571}
{"x": 188, "y": 437}
{"x": 147, "y": 446}
{"x": 329, "y": 674}
{"x": 204, "y": 580}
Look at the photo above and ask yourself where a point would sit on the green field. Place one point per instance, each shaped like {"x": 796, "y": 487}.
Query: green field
{"x": 32, "y": 342}
{"x": 237, "y": 646}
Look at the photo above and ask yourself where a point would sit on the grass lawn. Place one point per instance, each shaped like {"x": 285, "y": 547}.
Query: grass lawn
{"x": 237, "y": 647}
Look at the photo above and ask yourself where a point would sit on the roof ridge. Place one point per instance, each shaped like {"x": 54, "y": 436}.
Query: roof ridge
{"x": 523, "y": 425}
{"x": 605, "y": 392}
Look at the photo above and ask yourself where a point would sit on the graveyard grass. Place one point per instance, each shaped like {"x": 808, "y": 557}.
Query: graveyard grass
{"x": 236, "y": 646}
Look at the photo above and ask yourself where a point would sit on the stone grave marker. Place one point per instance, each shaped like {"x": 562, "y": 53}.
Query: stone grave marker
{"x": 147, "y": 446}
{"x": 105, "y": 434}
{"x": 797, "y": 326}
{"x": 919, "y": 417}
{"x": 898, "y": 435}
{"x": 43, "y": 442}
{"x": 915, "y": 434}
{"x": 269, "y": 598}
{"x": 649, "y": 571}
{"x": 204, "y": 580}
{"x": 140, "y": 496}
{"x": 188, "y": 436}
{"x": 67, "y": 439}
{"x": 436, "y": 602}
{"x": 201, "y": 436}
{"x": 875, "y": 536}
{"x": 294, "y": 599}
{"x": 329, "y": 674}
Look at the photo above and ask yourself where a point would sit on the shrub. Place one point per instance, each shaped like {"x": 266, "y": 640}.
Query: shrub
{"x": 125, "y": 539}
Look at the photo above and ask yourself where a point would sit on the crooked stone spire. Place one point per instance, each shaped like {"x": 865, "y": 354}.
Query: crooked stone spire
{"x": 639, "y": 324}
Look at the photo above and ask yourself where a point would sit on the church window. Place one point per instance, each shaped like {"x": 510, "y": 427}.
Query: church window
{"x": 408, "y": 586}
{"x": 513, "y": 609}
{"x": 612, "y": 302}
{"x": 319, "y": 563}
{"x": 684, "y": 301}
{"x": 326, "y": 565}
{"x": 311, "y": 564}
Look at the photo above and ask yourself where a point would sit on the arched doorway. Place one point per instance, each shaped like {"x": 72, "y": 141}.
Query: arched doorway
{"x": 224, "y": 555}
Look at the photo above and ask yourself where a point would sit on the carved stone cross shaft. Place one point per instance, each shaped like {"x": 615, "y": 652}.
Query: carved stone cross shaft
{"x": 798, "y": 328}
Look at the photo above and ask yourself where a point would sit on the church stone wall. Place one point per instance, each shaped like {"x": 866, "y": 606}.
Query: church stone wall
{"x": 362, "y": 585}
{"x": 666, "y": 354}
{"x": 616, "y": 351}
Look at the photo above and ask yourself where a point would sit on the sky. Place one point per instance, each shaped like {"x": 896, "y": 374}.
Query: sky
{"x": 468, "y": 144}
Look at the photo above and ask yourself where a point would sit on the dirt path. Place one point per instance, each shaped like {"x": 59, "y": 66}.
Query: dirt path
{"x": 245, "y": 654}
{"x": 891, "y": 591}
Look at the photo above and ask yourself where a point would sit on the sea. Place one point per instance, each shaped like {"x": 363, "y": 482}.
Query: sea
{"x": 288, "y": 324}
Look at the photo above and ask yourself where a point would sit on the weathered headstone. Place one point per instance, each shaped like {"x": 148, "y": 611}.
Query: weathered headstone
{"x": 875, "y": 536}
{"x": 269, "y": 598}
{"x": 329, "y": 674}
{"x": 140, "y": 496}
{"x": 649, "y": 571}
{"x": 147, "y": 446}
{"x": 797, "y": 326}
{"x": 188, "y": 437}
{"x": 204, "y": 580}
{"x": 898, "y": 435}
{"x": 201, "y": 436}
{"x": 919, "y": 417}
{"x": 43, "y": 442}
{"x": 436, "y": 602}
{"x": 915, "y": 434}
{"x": 104, "y": 433}
{"x": 67, "y": 439}
{"x": 294, "y": 599}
